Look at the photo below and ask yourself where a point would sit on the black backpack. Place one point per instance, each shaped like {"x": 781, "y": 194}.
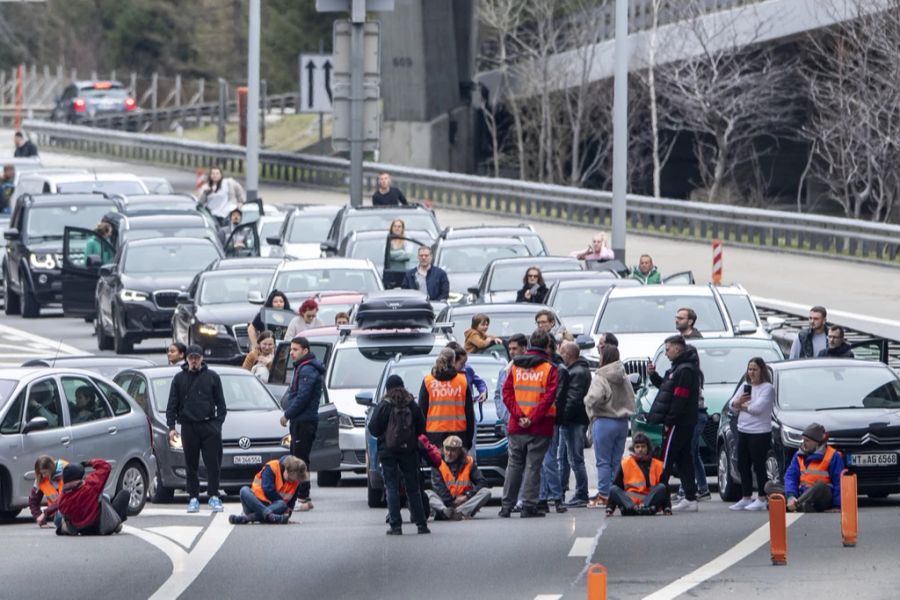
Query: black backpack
{"x": 400, "y": 435}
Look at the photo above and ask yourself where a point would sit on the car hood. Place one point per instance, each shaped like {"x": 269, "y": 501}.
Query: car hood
{"x": 461, "y": 282}
{"x": 179, "y": 280}
{"x": 227, "y": 314}
{"x": 47, "y": 247}
{"x": 254, "y": 424}
{"x": 843, "y": 420}
{"x": 305, "y": 250}
{"x": 345, "y": 401}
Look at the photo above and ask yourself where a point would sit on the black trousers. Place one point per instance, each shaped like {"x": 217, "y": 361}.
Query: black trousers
{"x": 677, "y": 453}
{"x": 753, "y": 448}
{"x": 202, "y": 438}
{"x": 303, "y": 434}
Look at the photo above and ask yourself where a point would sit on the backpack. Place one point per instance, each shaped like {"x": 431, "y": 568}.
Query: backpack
{"x": 400, "y": 435}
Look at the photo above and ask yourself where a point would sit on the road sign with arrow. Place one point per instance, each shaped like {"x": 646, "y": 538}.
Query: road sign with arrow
{"x": 316, "y": 81}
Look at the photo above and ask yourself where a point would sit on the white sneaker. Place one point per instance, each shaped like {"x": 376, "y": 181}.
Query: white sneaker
{"x": 741, "y": 504}
{"x": 685, "y": 505}
{"x": 757, "y": 504}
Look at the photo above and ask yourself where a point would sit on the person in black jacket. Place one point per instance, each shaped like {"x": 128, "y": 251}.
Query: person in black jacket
{"x": 197, "y": 402}
{"x": 399, "y": 462}
{"x": 25, "y": 148}
{"x": 675, "y": 407}
{"x": 386, "y": 194}
{"x": 837, "y": 344}
{"x": 534, "y": 290}
{"x": 573, "y": 419}
{"x": 427, "y": 278}
{"x": 302, "y": 410}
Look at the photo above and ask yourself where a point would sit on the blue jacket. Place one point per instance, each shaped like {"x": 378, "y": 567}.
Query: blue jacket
{"x": 268, "y": 485}
{"x": 305, "y": 390}
{"x": 473, "y": 379}
{"x": 792, "y": 487}
{"x": 435, "y": 280}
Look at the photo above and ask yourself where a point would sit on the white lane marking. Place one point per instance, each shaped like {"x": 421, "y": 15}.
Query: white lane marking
{"x": 169, "y": 512}
{"x": 54, "y": 345}
{"x": 548, "y": 597}
{"x": 582, "y": 547}
{"x": 179, "y": 534}
{"x": 802, "y": 309}
{"x": 742, "y": 550}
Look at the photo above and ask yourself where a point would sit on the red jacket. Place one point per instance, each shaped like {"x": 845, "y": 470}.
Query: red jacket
{"x": 541, "y": 423}
{"x": 81, "y": 506}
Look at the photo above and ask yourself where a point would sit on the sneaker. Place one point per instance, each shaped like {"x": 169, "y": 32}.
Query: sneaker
{"x": 238, "y": 519}
{"x": 449, "y": 513}
{"x": 530, "y": 513}
{"x": 598, "y": 501}
{"x": 685, "y": 506}
{"x": 423, "y": 529}
{"x": 704, "y": 495}
{"x": 394, "y": 531}
{"x": 559, "y": 507}
{"x": 741, "y": 504}
{"x": 543, "y": 505}
{"x": 215, "y": 504}
{"x": 576, "y": 503}
{"x": 193, "y": 505}
{"x": 517, "y": 508}
{"x": 758, "y": 504}
{"x": 505, "y": 513}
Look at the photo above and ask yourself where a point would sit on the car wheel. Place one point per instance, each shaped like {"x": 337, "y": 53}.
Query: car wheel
{"x": 161, "y": 494}
{"x": 134, "y": 480}
{"x": 104, "y": 342}
{"x": 729, "y": 490}
{"x": 328, "y": 478}
{"x": 31, "y": 308}
{"x": 121, "y": 343}
{"x": 11, "y": 299}
{"x": 376, "y": 497}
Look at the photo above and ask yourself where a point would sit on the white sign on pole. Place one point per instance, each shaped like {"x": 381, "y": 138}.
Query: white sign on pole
{"x": 316, "y": 83}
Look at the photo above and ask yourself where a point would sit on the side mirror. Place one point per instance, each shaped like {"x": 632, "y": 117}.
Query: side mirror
{"x": 328, "y": 248}
{"x": 366, "y": 398}
{"x": 473, "y": 290}
{"x": 585, "y": 342}
{"x": 772, "y": 323}
{"x": 745, "y": 328}
{"x": 11, "y": 234}
{"x": 107, "y": 270}
{"x": 183, "y": 298}
{"x": 36, "y": 424}
{"x": 273, "y": 240}
{"x": 255, "y": 297}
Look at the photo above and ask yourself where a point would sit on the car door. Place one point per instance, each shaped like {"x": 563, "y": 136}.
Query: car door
{"x": 95, "y": 434}
{"x": 681, "y": 278}
{"x": 283, "y": 367}
{"x": 394, "y": 278}
{"x": 325, "y": 454}
{"x": 81, "y": 272}
{"x": 243, "y": 241}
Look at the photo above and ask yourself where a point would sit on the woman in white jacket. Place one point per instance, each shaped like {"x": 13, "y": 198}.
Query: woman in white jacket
{"x": 753, "y": 402}
{"x": 610, "y": 404}
{"x": 221, "y": 195}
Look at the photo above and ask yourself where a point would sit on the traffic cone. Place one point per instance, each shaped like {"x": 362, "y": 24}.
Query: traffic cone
{"x": 778, "y": 529}
{"x": 849, "y": 509}
{"x": 596, "y": 582}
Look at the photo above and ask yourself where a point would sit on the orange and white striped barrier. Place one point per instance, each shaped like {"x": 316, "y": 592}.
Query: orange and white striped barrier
{"x": 717, "y": 247}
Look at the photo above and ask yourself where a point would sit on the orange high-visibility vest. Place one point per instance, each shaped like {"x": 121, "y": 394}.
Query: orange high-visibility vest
{"x": 815, "y": 471}
{"x": 286, "y": 489}
{"x": 636, "y": 485}
{"x": 446, "y": 404}
{"x": 530, "y": 385}
{"x": 460, "y": 484}
{"x": 50, "y": 490}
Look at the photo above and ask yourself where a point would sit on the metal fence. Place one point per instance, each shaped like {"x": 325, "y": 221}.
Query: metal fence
{"x": 757, "y": 228}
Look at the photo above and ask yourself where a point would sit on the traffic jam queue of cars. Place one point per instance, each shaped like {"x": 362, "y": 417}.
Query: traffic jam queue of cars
{"x": 141, "y": 265}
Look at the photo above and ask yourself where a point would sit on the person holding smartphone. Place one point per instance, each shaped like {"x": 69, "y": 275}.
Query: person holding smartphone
{"x": 753, "y": 402}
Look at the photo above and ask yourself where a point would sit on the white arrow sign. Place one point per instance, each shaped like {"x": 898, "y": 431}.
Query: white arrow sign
{"x": 316, "y": 82}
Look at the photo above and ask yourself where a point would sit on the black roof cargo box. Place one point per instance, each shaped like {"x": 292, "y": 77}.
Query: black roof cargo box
{"x": 395, "y": 309}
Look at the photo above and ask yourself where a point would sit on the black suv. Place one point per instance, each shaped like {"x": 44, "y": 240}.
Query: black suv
{"x": 82, "y": 100}
{"x": 33, "y": 261}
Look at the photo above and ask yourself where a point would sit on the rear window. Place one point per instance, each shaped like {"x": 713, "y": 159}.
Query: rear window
{"x": 656, "y": 314}
{"x": 127, "y": 188}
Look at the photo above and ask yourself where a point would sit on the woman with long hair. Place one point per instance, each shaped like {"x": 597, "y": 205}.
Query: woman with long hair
{"x": 276, "y": 300}
{"x": 259, "y": 360}
{"x": 534, "y": 289}
{"x": 220, "y": 194}
{"x": 401, "y": 251}
{"x": 753, "y": 401}
{"x": 446, "y": 401}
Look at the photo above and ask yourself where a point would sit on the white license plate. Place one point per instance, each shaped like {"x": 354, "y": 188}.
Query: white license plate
{"x": 249, "y": 459}
{"x": 873, "y": 460}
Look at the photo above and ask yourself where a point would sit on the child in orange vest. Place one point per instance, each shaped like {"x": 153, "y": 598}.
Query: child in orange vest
{"x": 636, "y": 489}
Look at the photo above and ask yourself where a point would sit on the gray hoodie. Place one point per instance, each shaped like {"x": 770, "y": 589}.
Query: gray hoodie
{"x": 610, "y": 395}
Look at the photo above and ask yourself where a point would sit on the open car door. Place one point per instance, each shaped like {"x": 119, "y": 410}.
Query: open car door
{"x": 394, "y": 270}
{"x": 283, "y": 367}
{"x": 276, "y": 320}
{"x": 325, "y": 454}
{"x": 81, "y": 271}
{"x": 682, "y": 278}
{"x": 244, "y": 240}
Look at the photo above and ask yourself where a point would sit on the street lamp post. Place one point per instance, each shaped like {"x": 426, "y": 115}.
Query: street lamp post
{"x": 620, "y": 131}
{"x": 252, "y": 160}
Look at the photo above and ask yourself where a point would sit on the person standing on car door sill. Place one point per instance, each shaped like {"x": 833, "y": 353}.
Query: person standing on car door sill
{"x": 197, "y": 402}
{"x": 302, "y": 410}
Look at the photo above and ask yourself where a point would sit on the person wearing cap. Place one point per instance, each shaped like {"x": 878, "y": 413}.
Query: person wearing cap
{"x": 307, "y": 318}
{"x": 79, "y": 502}
{"x": 397, "y": 422}
{"x": 637, "y": 488}
{"x": 458, "y": 489}
{"x": 197, "y": 402}
{"x": 812, "y": 482}
{"x": 273, "y": 494}
{"x": 234, "y": 221}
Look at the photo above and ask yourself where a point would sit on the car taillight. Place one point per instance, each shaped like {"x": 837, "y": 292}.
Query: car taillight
{"x": 130, "y": 104}
{"x": 79, "y": 105}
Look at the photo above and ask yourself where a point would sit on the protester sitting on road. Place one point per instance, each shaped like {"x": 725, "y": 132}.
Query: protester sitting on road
{"x": 48, "y": 484}
{"x": 837, "y": 345}
{"x": 638, "y": 488}
{"x": 598, "y": 249}
{"x": 811, "y": 340}
{"x": 341, "y": 319}
{"x": 397, "y": 422}
{"x": 753, "y": 402}
{"x": 534, "y": 290}
{"x": 646, "y": 271}
{"x": 458, "y": 489}
{"x": 812, "y": 482}
{"x": 386, "y": 194}
{"x": 80, "y": 502}
{"x": 259, "y": 361}
{"x": 445, "y": 398}
{"x": 307, "y": 318}
{"x": 175, "y": 353}
{"x": 276, "y": 300}
{"x": 476, "y": 337}
{"x": 273, "y": 494}
{"x": 401, "y": 251}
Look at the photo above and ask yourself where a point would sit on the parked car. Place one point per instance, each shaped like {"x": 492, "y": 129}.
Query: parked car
{"x": 78, "y": 182}
{"x": 502, "y": 278}
{"x": 577, "y": 300}
{"x": 251, "y": 434}
{"x": 378, "y": 218}
{"x": 266, "y": 227}
{"x": 308, "y": 277}
{"x": 535, "y": 242}
{"x": 108, "y": 366}
{"x": 156, "y": 225}
{"x": 38, "y": 415}
{"x": 305, "y": 230}
{"x": 465, "y": 259}
{"x": 82, "y": 100}
{"x": 157, "y": 185}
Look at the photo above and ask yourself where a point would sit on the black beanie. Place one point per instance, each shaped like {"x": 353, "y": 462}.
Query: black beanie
{"x": 393, "y": 382}
{"x": 73, "y": 472}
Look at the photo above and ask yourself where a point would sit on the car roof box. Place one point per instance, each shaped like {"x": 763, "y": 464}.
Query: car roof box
{"x": 395, "y": 309}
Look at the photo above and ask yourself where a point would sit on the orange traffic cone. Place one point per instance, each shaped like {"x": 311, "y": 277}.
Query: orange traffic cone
{"x": 596, "y": 582}
{"x": 778, "y": 529}
{"x": 849, "y": 509}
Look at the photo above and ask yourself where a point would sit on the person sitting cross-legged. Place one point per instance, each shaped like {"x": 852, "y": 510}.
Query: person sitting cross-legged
{"x": 812, "y": 482}
{"x": 273, "y": 494}
{"x": 637, "y": 489}
{"x": 458, "y": 487}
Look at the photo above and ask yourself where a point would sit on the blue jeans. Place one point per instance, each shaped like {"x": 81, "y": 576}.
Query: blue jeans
{"x": 699, "y": 470}
{"x": 573, "y": 447}
{"x": 403, "y": 466}
{"x": 551, "y": 488}
{"x": 256, "y": 509}
{"x": 609, "y": 445}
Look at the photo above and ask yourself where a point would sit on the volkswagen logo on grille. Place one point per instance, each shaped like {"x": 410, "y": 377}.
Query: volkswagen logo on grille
{"x": 244, "y": 442}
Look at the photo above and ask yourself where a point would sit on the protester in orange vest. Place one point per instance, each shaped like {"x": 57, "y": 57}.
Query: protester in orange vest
{"x": 812, "y": 482}
{"x": 446, "y": 401}
{"x": 47, "y": 484}
{"x": 637, "y": 489}
{"x": 529, "y": 394}
{"x": 272, "y": 495}
{"x": 457, "y": 486}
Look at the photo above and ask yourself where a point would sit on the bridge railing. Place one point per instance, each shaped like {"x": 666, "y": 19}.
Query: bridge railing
{"x": 763, "y": 229}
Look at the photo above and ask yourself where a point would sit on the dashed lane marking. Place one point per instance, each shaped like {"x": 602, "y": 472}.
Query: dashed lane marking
{"x": 28, "y": 345}
{"x": 582, "y": 547}
{"x": 548, "y": 597}
{"x": 170, "y": 512}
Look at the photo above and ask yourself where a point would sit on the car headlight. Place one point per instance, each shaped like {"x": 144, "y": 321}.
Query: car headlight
{"x": 175, "y": 442}
{"x": 43, "y": 261}
{"x": 344, "y": 421}
{"x": 791, "y": 436}
{"x": 286, "y": 441}
{"x": 133, "y": 296}
{"x": 211, "y": 329}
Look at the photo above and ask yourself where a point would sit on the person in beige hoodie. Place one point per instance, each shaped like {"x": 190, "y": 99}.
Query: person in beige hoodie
{"x": 610, "y": 404}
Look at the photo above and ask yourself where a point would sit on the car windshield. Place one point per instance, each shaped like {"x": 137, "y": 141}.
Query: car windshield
{"x": 309, "y": 230}
{"x": 656, "y": 314}
{"x": 373, "y": 249}
{"x": 169, "y": 258}
{"x": 49, "y": 221}
{"x": 269, "y": 229}
{"x": 110, "y": 187}
{"x": 163, "y": 232}
{"x": 374, "y": 221}
{"x": 502, "y": 324}
{"x": 362, "y": 367}
{"x": 724, "y": 364}
{"x": 224, "y": 287}
{"x": 241, "y": 391}
{"x": 856, "y": 386}
{"x": 413, "y": 374}
{"x": 474, "y": 258}
{"x": 509, "y": 277}
{"x": 739, "y": 308}
{"x": 323, "y": 280}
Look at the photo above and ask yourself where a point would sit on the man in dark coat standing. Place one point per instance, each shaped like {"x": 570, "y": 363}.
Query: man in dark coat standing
{"x": 386, "y": 194}
{"x": 573, "y": 419}
{"x": 427, "y": 278}
{"x": 25, "y": 148}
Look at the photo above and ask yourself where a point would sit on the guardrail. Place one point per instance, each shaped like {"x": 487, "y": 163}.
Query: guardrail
{"x": 757, "y": 228}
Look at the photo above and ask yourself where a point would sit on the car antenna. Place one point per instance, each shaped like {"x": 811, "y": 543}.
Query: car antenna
{"x": 58, "y": 349}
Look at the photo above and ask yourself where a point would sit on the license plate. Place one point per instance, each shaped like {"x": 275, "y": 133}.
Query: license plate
{"x": 249, "y": 459}
{"x": 873, "y": 460}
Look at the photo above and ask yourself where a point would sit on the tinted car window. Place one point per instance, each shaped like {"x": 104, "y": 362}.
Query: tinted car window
{"x": 242, "y": 392}
{"x": 838, "y": 387}
{"x": 110, "y": 187}
{"x": 652, "y": 314}
{"x": 307, "y": 280}
{"x": 309, "y": 230}
{"x": 371, "y": 249}
{"x": 468, "y": 259}
{"x": 168, "y": 258}
{"x": 49, "y": 221}
{"x": 85, "y": 404}
{"x": 43, "y": 401}
{"x": 739, "y": 308}
{"x": 225, "y": 287}
{"x": 118, "y": 402}
{"x": 12, "y": 422}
